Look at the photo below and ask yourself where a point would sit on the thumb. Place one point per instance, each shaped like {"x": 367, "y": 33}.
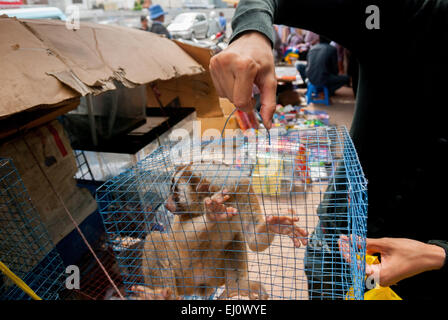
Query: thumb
{"x": 268, "y": 99}
{"x": 374, "y": 245}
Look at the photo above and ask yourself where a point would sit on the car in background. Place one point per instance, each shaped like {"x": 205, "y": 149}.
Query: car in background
{"x": 189, "y": 25}
{"x": 35, "y": 13}
{"x": 199, "y": 4}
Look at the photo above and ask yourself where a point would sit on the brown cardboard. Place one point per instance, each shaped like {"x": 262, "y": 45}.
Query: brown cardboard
{"x": 226, "y": 106}
{"x": 217, "y": 124}
{"x": 201, "y": 55}
{"x": 195, "y": 91}
{"x": 43, "y": 63}
{"x": 24, "y": 151}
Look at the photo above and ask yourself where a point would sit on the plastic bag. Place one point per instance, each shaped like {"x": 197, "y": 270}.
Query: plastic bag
{"x": 379, "y": 293}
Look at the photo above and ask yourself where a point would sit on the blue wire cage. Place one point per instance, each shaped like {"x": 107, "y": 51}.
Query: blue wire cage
{"x": 26, "y": 248}
{"x": 241, "y": 218}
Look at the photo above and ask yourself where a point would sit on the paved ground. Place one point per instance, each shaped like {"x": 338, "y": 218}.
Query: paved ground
{"x": 341, "y": 109}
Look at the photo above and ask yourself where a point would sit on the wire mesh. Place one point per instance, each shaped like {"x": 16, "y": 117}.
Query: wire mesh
{"x": 94, "y": 284}
{"x": 241, "y": 218}
{"x": 84, "y": 172}
{"x": 26, "y": 248}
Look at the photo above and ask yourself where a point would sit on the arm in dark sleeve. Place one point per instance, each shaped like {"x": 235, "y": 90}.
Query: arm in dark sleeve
{"x": 337, "y": 19}
{"x": 443, "y": 244}
{"x": 254, "y": 15}
{"x": 343, "y": 21}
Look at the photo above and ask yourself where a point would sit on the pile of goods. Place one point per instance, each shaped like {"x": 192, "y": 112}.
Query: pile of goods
{"x": 298, "y": 117}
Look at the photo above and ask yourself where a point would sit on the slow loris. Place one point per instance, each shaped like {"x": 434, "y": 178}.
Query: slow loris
{"x": 206, "y": 248}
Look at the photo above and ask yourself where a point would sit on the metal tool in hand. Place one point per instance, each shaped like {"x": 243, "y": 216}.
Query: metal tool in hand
{"x": 231, "y": 114}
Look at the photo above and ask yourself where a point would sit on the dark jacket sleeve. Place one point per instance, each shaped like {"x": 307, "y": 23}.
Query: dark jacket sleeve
{"x": 254, "y": 15}
{"x": 337, "y": 19}
{"x": 443, "y": 244}
{"x": 343, "y": 21}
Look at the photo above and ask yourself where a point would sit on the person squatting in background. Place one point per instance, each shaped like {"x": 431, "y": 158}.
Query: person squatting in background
{"x": 322, "y": 68}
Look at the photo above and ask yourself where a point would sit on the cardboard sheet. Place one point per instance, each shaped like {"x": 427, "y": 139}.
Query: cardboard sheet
{"x": 195, "y": 91}
{"x": 43, "y": 63}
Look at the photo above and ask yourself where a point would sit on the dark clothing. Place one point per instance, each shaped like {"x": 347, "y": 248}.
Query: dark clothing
{"x": 322, "y": 63}
{"x": 322, "y": 68}
{"x": 403, "y": 157}
{"x": 353, "y": 70}
{"x": 335, "y": 81}
{"x": 159, "y": 28}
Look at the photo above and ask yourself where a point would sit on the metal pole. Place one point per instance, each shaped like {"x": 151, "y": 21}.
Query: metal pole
{"x": 91, "y": 119}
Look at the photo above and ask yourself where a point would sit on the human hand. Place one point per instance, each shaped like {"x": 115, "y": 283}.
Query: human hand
{"x": 247, "y": 61}
{"x": 401, "y": 258}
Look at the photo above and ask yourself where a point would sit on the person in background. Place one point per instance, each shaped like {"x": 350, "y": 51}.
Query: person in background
{"x": 322, "y": 67}
{"x": 295, "y": 38}
{"x": 285, "y": 31}
{"x": 157, "y": 16}
{"x": 282, "y": 34}
{"x": 144, "y": 23}
{"x": 214, "y": 26}
{"x": 278, "y": 46}
{"x": 222, "y": 21}
{"x": 310, "y": 39}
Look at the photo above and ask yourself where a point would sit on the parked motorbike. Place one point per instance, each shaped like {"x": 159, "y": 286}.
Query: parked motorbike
{"x": 216, "y": 42}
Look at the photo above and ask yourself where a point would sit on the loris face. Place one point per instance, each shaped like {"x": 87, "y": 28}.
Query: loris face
{"x": 188, "y": 193}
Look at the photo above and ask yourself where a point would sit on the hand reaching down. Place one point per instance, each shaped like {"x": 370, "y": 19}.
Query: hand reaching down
{"x": 247, "y": 61}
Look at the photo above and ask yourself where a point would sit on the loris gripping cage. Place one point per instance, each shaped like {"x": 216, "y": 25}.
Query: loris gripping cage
{"x": 241, "y": 218}
{"x": 26, "y": 248}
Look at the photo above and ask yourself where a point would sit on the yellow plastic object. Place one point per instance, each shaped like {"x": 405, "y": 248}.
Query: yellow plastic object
{"x": 379, "y": 293}
{"x": 267, "y": 176}
{"x": 19, "y": 282}
{"x": 291, "y": 57}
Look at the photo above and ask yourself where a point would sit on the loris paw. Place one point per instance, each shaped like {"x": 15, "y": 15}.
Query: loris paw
{"x": 286, "y": 226}
{"x": 253, "y": 290}
{"x": 215, "y": 208}
{"x": 144, "y": 293}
